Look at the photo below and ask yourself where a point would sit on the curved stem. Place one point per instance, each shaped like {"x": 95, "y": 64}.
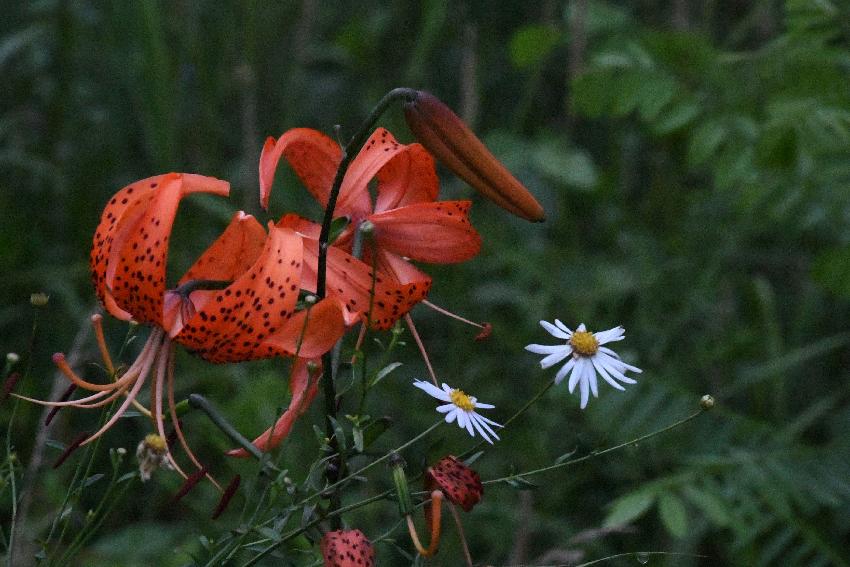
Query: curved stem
{"x": 598, "y": 453}
{"x": 348, "y": 152}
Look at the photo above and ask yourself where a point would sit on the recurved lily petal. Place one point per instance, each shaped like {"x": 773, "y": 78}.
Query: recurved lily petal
{"x": 232, "y": 253}
{"x": 452, "y": 142}
{"x": 351, "y": 280}
{"x": 379, "y": 149}
{"x": 233, "y": 325}
{"x": 409, "y": 177}
{"x": 303, "y": 387}
{"x": 438, "y": 231}
{"x": 311, "y": 332}
{"x": 313, "y": 156}
{"x": 130, "y": 248}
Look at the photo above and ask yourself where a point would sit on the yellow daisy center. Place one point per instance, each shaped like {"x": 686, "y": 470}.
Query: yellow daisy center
{"x": 155, "y": 442}
{"x": 584, "y": 343}
{"x": 461, "y": 400}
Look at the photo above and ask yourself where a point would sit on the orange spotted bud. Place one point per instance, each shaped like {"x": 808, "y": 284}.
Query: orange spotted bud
{"x": 453, "y": 143}
{"x": 347, "y": 548}
{"x": 460, "y": 484}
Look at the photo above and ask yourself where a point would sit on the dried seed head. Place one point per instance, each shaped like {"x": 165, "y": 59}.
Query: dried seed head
{"x": 451, "y": 141}
{"x": 460, "y": 484}
{"x": 347, "y": 548}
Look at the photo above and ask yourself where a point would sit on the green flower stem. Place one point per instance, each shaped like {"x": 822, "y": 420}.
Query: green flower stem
{"x": 597, "y": 453}
{"x": 348, "y": 152}
{"x": 518, "y": 413}
{"x": 199, "y": 402}
{"x": 337, "y": 512}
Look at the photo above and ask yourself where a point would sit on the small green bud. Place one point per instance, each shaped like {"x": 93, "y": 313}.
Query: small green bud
{"x": 405, "y": 505}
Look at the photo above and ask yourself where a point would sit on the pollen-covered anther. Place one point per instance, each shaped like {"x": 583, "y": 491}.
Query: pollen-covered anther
{"x": 584, "y": 343}
{"x": 152, "y": 453}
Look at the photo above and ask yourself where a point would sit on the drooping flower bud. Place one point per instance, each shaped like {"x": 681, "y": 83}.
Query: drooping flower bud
{"x": 347, "y": 548}
{"x": 451, "y": 141}
{"x": 460, "y": 484}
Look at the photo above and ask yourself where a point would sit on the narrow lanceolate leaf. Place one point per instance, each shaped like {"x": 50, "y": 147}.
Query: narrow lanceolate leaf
{"x": 629, "y": 507}
{"x": 452, "y": 142}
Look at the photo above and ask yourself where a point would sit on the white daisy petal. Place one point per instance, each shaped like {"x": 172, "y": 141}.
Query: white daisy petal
{"x": 479, "y": 429}
{"x": 479, "y": 405}
{"x": 559, "y": 377}
{"x": 544, "y": 349}
{"x": 563, "y": 327}
{"x": 611, "y": 335}
{"x": 555, "y": 358}
{"x": 584, "y": 387}
{"x": 452, "y": 415}
{"x": 594, "y": 385}
{"x": 432, "y": 390}
{"x": 600, "y": 368}
{"x": 446, "y": 408}
{"x": 587, "y": 365}
{"x": 576, "y": 374}
{"x": 553, "y": 330}
{"x": 483, "y": 422}
{"x": 469, "y": 428}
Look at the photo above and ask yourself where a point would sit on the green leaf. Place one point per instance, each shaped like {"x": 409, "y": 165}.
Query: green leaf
{"x": 531, "y": 44}
{"x": 629, "y": 507}
{"x": 832, "y": 270}
{"x": 384, "y": 372}
{"x": 705, "y": 141}
{"x": 713, "y": 507}
{"x": 679, "y": 116}
{"x": 567, "y": 166}
{"x": 673, "y": 514}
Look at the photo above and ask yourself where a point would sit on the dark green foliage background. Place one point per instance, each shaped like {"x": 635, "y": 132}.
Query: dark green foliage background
{"x": 696, "y": 177}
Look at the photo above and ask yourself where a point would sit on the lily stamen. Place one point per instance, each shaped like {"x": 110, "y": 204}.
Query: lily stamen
{"x": 97, "y": 325}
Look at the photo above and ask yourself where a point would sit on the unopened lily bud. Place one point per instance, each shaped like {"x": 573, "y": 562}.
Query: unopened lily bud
{"x": 451, "y": 141}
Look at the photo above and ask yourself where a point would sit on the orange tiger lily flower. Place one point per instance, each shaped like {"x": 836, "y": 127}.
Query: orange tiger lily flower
{"x": 252, "y": 315}
{"x": 406, "y": 220}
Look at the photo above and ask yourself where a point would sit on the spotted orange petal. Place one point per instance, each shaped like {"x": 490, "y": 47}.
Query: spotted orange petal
{"x": 303, "y": 388}
{"x": 131, "y": 243}
{"x": 438, "y": 232}
{"x": 312, "y": 332}
{"x": 313, "y": 156}
{"x": 379, "y": 149}
{"x": 232, "y": 325}
{"x": 347, "y": 548}
{"x": 351, "y": 280}
{"x": 232, "y": 253}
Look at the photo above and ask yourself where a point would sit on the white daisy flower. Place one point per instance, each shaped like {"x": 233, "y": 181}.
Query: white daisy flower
{"x": 588, "y": 358}
{"x": 461, "y": 407}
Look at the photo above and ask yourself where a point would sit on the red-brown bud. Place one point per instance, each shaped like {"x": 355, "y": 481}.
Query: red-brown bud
{"x": 347, "y": 548}
{"x": 453, "y": 143}
{"x": 460, "y": 484}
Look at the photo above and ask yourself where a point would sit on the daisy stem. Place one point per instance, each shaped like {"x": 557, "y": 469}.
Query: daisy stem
{"x": 348, "y": 152}
{"x": 593, "y": 454}
{"x": 197, "y": 401}
{"x": 518, "y": 413}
